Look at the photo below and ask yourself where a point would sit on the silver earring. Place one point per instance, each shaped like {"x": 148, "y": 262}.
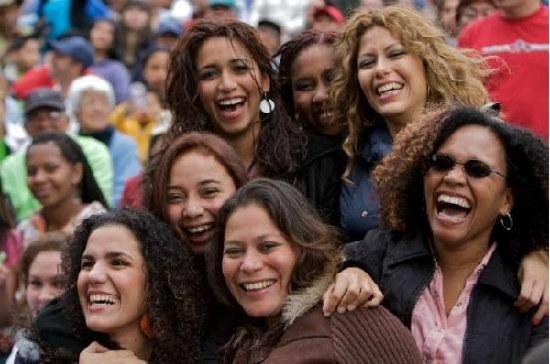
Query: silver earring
{"x": 506, "y": 221}
{"x": 266, "y": 104}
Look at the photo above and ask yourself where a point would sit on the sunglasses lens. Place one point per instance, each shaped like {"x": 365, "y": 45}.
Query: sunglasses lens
{"x": 477, "y": 169}
{"x": 442, "y": 163}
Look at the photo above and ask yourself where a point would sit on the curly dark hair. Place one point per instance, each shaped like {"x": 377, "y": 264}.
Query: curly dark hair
{"x": 399, "y": 178}
{"x": 280, "y": 145}
{"x": 71, "y": 151}
{"x": 295, "y": 218}
{"x": 175, "y": 299}
{"x": 288, "y": 54}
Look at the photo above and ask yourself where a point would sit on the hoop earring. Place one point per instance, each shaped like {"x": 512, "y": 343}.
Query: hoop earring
{"x": 266, "y": 104}
{"x": 506, "y": 221}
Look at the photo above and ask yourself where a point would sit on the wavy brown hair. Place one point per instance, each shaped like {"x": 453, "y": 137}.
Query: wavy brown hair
{"x": 280, "y": 144}
{"x": 158, "y": 176}
{"x": 399, "y": 178}
{"x": 452, "y": 76}
{"x": 174, "y": 296}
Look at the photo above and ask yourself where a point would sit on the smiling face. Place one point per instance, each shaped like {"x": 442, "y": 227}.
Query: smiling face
{"x": 257, "y": 262}
{"x": 392, "y": 80}
{"x": 311, "y": 74}
{"x": 462, "y": 209}
{"x": 50, "y": 177}
{"x": 111, "y": 283}
{"x": 199, "y": 185}
{"x": 44, "y": 280}
{"x": 94, "y": 111}
{"x": 229, "y": 86}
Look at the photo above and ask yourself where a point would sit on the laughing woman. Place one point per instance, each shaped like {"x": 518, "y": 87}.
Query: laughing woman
{"x": 131, "y": 288}
{"x": 466, "y": 197}
{"x": 273, "y": 259}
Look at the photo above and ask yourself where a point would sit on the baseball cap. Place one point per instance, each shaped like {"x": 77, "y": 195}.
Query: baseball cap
{"x": 332, "y": 12}
{"x": 44, "y": 97}
{"x": 227, "y": 3}
{"x": 75, "y": 47}
{"x": 169, "y": 25}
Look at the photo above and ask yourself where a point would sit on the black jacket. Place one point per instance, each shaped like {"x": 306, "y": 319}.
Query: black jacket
{"x": 403, "y": 267}
{"x": 319, "y": 176}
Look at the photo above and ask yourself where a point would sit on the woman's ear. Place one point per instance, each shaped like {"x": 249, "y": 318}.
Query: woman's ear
{"x": 78, "y": 171}
{"x": 508, "y": 202}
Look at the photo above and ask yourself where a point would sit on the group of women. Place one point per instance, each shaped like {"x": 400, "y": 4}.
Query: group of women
{"x": 464, "y": 196}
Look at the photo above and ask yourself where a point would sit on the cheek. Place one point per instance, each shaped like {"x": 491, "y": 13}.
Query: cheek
{"x": 174, "y": 214}
{"x": 302, "y": 102}
{"x": 31, "y": 295}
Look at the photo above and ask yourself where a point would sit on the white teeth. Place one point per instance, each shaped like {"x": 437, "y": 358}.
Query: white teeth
{"x": 231, "y": 102}
{"x": 102, "y": 299}
{"x": 389, "y": 87}
{"x": 258, "y": 285}
{"x": 199, "y": 229}
{"x": 459, "y": 201}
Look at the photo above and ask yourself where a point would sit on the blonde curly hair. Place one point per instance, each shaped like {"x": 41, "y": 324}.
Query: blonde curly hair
{"x": 452, "y": 76}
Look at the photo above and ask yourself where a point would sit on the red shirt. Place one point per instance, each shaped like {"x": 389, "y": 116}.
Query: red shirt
{"x": 521, "y": 81}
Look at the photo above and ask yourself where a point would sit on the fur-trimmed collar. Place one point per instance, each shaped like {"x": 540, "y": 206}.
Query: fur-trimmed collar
{"x": 300, "y": 302}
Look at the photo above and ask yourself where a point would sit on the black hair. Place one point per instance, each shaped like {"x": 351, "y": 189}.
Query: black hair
{"x": 72, "y": 152}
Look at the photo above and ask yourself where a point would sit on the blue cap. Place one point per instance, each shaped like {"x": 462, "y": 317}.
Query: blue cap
{"x": 76, "y": 47}
{"x": 228, "y": 3}
{"x": 169, "y": 25}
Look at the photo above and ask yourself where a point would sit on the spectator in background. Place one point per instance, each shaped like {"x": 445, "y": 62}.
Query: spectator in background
{"x": 41, "y": 278}
{"x": 446, "y": 17}
{"x": 144, "y": 108}
{"x": 328, "y": 19}
{"x": 270, "y": 35}
{"x": 90, "y": 100}
{"x": 135, "y": 30}
{"x": 104, "y": 40}
{"x": 518, "y": 35}
{"x": 22, "y": 55}
{"x": 44, "y": 113}
{"x": 291, "y": 15}
{"x": 168, "y": 32}
{"x": 70, "y": 59}
{"x": 472, "y": 10}
{"x": 221, "y": 9}
{"x": 59, "y": 176}
{"x": 9, "y": 12}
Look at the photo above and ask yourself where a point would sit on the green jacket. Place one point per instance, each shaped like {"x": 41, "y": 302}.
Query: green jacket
{"x": 13, "y": 174}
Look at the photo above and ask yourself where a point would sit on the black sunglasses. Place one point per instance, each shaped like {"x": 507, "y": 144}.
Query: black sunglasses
{"x": 473, "y": 167}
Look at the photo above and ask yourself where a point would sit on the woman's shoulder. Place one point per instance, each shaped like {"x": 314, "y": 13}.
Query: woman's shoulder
{"x": 372, "y": 335}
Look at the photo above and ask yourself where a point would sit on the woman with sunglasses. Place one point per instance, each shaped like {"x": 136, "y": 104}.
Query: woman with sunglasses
{"x": 466, "y": 197}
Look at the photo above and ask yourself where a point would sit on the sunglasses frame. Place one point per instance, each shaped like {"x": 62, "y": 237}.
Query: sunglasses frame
{"x": 431, "y": 161}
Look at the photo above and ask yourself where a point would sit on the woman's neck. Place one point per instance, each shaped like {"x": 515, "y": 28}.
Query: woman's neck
{"x": 396, "y": 123}
{"x": 244, "y": 144}
{"x": 57, "y": 217}
{"x": 134, "y": 341}
{"x": 99, "y": 55}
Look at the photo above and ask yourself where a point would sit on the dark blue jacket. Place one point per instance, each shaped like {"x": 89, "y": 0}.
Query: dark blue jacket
{"x": 358, "y": 204}
{"x": 403, "y": 267}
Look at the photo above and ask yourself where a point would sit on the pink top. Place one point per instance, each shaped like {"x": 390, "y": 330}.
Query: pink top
{"x": 13, "y": 246}
{"x": 438, "y": 337}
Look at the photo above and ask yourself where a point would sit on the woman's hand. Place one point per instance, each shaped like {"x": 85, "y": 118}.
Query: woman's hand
{"x": 98, "y": 354}
{"x": 351, "y": 288}
{"x": 533, "y": 275}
